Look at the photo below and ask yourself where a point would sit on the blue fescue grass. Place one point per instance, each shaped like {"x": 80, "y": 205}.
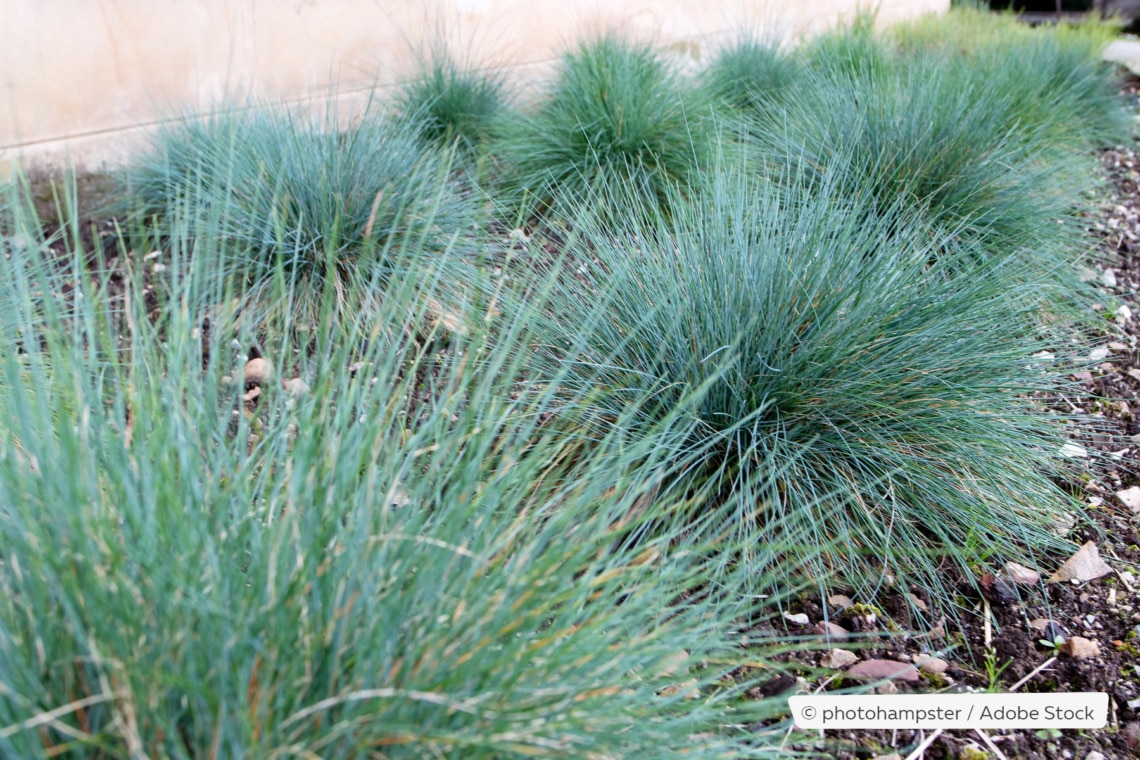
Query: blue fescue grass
{"x": 344, "y": 572}
{"x": 311, "y": 201}
{"x": 936, "y": 138}
{"x": 752, "y": 76}
{"x": 1052, "y": 74}
{"x": 492, "y": 533}
{"x": 812, "y": 332}
{"x": 454, "y": 106}
{"x": 616, "y": 113}
{"x": 990, "y": 144}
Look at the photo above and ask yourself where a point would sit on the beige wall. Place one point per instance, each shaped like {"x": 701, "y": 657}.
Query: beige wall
{"x": 84, "y": 78}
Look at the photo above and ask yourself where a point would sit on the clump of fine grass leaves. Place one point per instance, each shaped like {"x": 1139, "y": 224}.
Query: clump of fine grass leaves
{"x": 299, "y": 199}
{"x": 838, "y": 380}
{"x": 752, "y": 76}
{"x": 955, "y": 135}
{"x": 924, "y": 135}
{"x": 616, "y": 114}
{"x": 846, "y": 50}
{"x": 454, "y": 106}
{"x": 1051, "y": 75}
{"x": 333, "y": 573}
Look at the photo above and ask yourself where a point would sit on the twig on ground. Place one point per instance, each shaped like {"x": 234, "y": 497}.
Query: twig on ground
{"x": 921, "y": 748}
{"x": 1032, "y": 673}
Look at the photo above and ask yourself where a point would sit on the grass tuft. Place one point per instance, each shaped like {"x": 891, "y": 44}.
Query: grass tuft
{"x": 364, "y": 567}
{"x": 752, "y": 76}
{"x": 454, "y": 106}
{"x": 837, "y": 382}
{"x": 616, "y": 114}
{"x": 318, "y": 206}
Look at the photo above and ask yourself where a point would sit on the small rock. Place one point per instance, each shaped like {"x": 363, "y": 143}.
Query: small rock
{"x": 838, "y": 658}
{"x": 1084, "y": 565}
{"x": 1047, "y": 356}
{"x": 1094, "y": 755}
{"x": 1073, "y": 451}
{"x": 797, "y": 619}
{"x": 933, "y": 665}
{"x": 1020, "y": 574}
{"x": 1123, "y": 315}
{"x": 1134, "y": 373}
{"x": 998, "y": 590}
{"x": 1098, "y": 354}
{"x": 832, "y": 630}
{"x": 296, "y": 387}
{"x": 1049, "y": 630}
{"x": 438, "y": 314}
{"x": 839, "y": 601}
{"x": 1108, "y": 278}
{"x": 1132, "y": 735}
{"x": 257, "y": 372}
{"x": 688, "y": 689}
{"x": 876, "y": 670}
{"x": 1130, "y": 497}
{"x": 1117, "y": 346}
{"x": 918, "y": 603}
{"x": 1080, "y": 648}
{"x": 1085, "y": 274}
{"x": 781, "y": 684}
{"x": 1082, "y": 376}
{"x": 887, "y": 689}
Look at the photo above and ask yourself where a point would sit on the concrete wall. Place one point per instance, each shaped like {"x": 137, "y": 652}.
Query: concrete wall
{"x": 82, "y": 80}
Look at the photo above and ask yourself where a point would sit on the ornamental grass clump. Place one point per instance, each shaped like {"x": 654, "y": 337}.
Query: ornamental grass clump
{"x": 933, "y": 136}
{"x": 616, "y": 114}
{"x": 852, "y": 49}
{"x": 752, "y": 76}
{"x": 182, "y": 575}
{"x": 838, "y": 381}
{"x": 451, "y": 105}
{"x": 1051, "y": 74}
{"x": 305, "y": 200}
